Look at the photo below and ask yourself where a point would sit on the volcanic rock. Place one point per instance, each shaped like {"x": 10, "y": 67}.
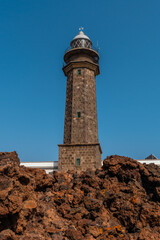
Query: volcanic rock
{"x": 119, "y": 201}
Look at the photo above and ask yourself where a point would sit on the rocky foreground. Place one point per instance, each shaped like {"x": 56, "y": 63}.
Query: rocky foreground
{"x": 119, "y": 201}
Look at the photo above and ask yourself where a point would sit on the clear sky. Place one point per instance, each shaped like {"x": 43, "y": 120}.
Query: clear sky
{"x": 33, "y": 37}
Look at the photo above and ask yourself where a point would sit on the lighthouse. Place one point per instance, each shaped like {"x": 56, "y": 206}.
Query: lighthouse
{"x": 81, "y": 149}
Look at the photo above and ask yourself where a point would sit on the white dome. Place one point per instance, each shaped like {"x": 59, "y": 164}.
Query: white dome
{"x": 81, "y": 41}
{"x": 81, "y": 35}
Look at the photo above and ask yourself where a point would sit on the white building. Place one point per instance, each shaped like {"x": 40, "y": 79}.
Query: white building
{"x": 47, "y": 166}
{"x": 157, "y": 161}
{"x": 150, "y": 159}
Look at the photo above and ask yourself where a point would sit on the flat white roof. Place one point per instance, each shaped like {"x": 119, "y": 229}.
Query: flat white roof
{"x": 40, "y": 164}
{"x": 148, "y": 161}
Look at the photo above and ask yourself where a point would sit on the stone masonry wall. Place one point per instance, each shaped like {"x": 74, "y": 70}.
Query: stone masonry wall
{"x": 68, "y": 109}
{"x": 81, "y": 97}
{"x": 89, "y": 155}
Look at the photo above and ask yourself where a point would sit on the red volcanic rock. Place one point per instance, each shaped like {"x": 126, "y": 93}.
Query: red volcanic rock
{"x": 118, "y": 201}
{"x": 7, "y": 235}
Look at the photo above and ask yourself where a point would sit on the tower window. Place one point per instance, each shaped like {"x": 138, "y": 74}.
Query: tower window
{"x": 78, "y": 114}
{"x": 78, "y": 161}
{"x": 79, "y": 71}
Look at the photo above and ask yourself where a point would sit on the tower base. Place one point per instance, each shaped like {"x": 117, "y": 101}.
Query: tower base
{"x": 79, "y": 157}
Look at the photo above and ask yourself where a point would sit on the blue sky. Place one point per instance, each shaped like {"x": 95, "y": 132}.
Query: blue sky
{"x": 33, "y": 37}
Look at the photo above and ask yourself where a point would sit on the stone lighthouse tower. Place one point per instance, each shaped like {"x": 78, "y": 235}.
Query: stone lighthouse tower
{"x": 80, "y": 149}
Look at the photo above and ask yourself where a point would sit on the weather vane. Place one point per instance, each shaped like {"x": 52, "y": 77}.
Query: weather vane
{"x": 81, "y": 28}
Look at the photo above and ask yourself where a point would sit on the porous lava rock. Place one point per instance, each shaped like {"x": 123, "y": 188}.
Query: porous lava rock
{"x": 119, "y": 201}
